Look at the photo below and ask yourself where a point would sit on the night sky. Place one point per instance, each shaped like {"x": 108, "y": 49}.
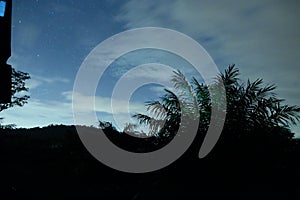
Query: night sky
{"x": 51, "y": 38}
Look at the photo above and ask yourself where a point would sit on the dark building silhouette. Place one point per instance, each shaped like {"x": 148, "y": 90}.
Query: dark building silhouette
{"x": 5, "y": 52}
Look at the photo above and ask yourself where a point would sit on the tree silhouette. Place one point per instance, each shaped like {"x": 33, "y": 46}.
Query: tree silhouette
{"x": 250, "y": 107}
{"x": 18, "y": 90}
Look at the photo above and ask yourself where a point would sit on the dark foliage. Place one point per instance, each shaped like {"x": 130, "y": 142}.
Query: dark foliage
{"x": 52, "y": 163}
{"x": 255, "y": 158}
{"x": 18, "y": 92}
{"x": 18, "y": 86}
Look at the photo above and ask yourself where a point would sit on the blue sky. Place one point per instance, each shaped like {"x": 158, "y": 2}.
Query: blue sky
{"x": 51, "y": 39}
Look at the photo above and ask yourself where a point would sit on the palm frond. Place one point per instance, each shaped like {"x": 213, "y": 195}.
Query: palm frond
{"x": 143, "y": 119}
{"x": 187, "y": 95}
{"x": 157, "y": 109}
{"x": 170, "y": 101}
{"x": 230, "y": 76}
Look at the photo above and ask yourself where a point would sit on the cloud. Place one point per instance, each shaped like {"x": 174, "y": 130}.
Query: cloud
{"x": 117, "y": 111}
{"x": 155, "y": 15}
{"x": 257, "y": 35}
{"x": 36, "y": 81}
{"x": 151, "y": 65}
{"x": 261, "y": 37}
{"x": 103, "y": 104}
{"x": 147, "y": 73}
{"x": 131, "y": 54}
{"x": 43, "y": 113}
{"x": 39, "y": 113}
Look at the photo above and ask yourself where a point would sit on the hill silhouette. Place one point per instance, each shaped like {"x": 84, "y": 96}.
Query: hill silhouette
{"x": 51, "y": 162}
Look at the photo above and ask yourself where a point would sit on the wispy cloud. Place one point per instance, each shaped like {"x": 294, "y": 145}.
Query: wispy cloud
{"x": 39, "y": 113}
{"x": 261, "y": 37}
{"x": 103, "y": 104}
{"x": 43, "y": 113}
{"x": 117, "y": 111}
{"x": 36, "y": 81}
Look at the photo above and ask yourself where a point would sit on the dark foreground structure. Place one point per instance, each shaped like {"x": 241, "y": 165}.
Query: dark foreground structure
{"x": 5, "y": 51}
{"x": 51, "y": 163}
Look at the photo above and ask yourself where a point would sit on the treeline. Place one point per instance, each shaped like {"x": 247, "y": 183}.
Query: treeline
{"x": 52, "y": 161}
{"x": 256, "y": 156}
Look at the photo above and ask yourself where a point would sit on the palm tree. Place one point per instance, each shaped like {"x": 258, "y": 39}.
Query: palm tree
{"x": 250, "y": 106}
{"x": 165, "y": 114}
